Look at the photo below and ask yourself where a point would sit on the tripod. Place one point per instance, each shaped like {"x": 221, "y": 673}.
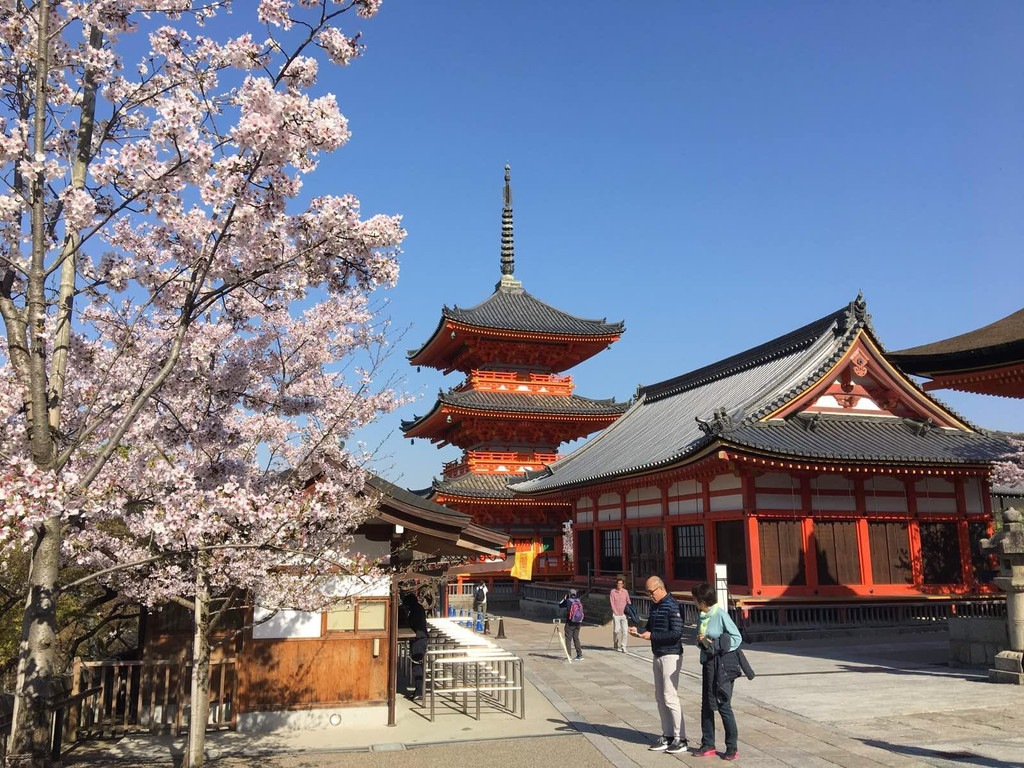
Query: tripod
{"x": 558, "y": 633}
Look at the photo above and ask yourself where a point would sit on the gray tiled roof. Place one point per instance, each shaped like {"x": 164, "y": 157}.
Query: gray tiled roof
{"x": 511, "y": 308}
{"x": 867, "y": 440}
{"x": 477, "y": 486}
{"x": 662, "y": 428}
{"x": 509, "y": 402}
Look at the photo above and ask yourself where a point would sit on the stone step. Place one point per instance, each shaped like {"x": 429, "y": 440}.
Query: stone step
{"x": 1008, "y": 678}
{"x": 1010, "y": 661}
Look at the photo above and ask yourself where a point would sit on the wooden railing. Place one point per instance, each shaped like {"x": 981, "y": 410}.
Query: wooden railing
{"x": 126, "y": 696}
{"x": 513, "y": 381}
{"x": 934, "y": 613}
{"x": 498, "y": 463}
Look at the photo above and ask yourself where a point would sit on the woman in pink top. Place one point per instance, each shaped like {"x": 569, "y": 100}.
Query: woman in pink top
{"x": 619, "y": 599}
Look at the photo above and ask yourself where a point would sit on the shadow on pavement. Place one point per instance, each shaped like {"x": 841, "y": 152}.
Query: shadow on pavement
{"x": 963, "y": 756}
{"x": 615, "y": 732}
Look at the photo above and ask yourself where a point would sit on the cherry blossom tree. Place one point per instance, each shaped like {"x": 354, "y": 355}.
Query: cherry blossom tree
{"x": 187, "y": 339}
{"x": 1010, "y": 470}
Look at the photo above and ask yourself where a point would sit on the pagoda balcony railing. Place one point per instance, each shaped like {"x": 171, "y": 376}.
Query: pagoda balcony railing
{"x": 514, "y": 381}
{"x": 497, "y": 463}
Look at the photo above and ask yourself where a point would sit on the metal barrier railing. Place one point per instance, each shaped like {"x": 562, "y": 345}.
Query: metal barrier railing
{"x": 544, "y": 594}
{"x": 766, "y": 617}
{"x": 460, "y": 665}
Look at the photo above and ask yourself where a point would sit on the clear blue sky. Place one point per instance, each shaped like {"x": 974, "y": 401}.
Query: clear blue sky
{"x": 713, "y": 174}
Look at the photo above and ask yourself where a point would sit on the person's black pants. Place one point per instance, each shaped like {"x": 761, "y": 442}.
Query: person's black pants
{"x": 716, "y": 697}
{"x": 572, "y": 638}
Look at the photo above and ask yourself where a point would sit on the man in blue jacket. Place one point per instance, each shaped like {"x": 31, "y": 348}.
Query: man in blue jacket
{"x": 665, "y": 631}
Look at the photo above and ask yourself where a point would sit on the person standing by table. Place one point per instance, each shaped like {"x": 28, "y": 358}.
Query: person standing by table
{"x": 416, "y": 616}
{"x": 665, "y": 631}
{"x": 480, "y": 598}
{"x": 619, "y": 599}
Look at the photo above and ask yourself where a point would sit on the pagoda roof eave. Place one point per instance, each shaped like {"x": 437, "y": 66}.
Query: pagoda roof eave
{"x": 573, "y": 408}
{"x": 436, "y": 352}
{"x": 513, "y": 311}
{"x": 992, "y": 346}
{"x": 482, "y": 489}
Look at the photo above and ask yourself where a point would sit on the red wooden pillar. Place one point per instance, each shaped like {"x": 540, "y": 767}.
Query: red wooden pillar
{"x": 914, "y": 534}
{"x": 626, "y": 554}
{"x": 670, "y": 568}
{"x": 753, "y": 538}
{"x": 710, "y": 544}
{"x": 753, "y": 553}
{"x": 597, "y": 534}
{"x": 963, "y": 534}
{"x": 863, "y": 536}
{"x": 807, "y": 531}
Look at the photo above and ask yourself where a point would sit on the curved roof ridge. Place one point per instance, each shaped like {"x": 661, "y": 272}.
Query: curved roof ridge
{"x": 503, "y": 291}
{"x": 758, "y": 355}
{"x": 603, "y": 434}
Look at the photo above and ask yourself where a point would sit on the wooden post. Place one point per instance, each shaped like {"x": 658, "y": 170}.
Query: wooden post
{"x": 670, "y": 566}
{"x": 393, "y": 644}
{"x": 963, "y": 535}
{"x": 753, "y": 537}
{"x": 863, "y": 534}
{"x": 627, "y": 553}
{"x": 914, "y": 534}
{"x": 74, "y": 711}
{"x": 710, "y": 540}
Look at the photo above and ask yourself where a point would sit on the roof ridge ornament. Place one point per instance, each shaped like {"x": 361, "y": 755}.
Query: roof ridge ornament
{"x": 920, "y": 427}
{"x": 720, "y": 421}
{"x": 855, "y": 316}
{"x": 508, "y": 249}
{"x": 809, "y": 421}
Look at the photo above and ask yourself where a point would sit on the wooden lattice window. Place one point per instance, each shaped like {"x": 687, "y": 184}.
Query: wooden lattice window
{"x": 731, "y": 546}
{"x": 585, "y": 552}
{"x": 688, "y": 552}
{"x": 611, "y": 550}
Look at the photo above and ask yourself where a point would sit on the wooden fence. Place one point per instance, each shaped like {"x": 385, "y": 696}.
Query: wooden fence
{"x": 155, "y": 696}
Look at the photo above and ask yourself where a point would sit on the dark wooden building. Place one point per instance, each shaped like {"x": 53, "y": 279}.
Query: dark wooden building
{"x": 295, "y": 667}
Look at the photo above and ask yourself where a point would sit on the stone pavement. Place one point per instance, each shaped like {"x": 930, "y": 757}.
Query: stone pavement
{"x": 847, "y": 702}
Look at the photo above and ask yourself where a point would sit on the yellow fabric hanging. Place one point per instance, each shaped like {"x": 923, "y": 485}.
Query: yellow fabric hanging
{"x": 523, "y": 566}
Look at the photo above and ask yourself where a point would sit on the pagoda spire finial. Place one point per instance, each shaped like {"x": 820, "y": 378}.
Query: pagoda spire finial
{"x": 508, "y": 251}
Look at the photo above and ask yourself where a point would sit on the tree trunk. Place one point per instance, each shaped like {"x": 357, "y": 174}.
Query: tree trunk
{"x": 30, "y": 732}
{"x": 200, "y": 674}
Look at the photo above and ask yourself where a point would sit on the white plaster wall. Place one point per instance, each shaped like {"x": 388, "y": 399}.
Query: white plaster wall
{"x": 778, "y": 501}
{"x": 886, "y": 504}
{"x": 726, "y": 503}
{"x": 724, "y": 482}
{"x": 286, "y": 624}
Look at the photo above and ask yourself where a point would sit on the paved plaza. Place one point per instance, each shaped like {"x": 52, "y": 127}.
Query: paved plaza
{"x": 851, "y": 702}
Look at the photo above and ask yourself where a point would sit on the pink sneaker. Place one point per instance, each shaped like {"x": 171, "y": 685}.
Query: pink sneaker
{"x": 703, "y": 751}
{"x": 731, "y": 755}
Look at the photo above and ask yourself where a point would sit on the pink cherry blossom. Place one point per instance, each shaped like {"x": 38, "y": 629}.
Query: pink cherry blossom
{"x": 207, "y": 339}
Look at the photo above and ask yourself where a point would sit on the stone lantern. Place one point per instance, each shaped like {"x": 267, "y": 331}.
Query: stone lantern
{"x": 1008, "y": 546}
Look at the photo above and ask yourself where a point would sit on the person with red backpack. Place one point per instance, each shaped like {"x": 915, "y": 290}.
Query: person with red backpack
{"x": 573, "y": 620}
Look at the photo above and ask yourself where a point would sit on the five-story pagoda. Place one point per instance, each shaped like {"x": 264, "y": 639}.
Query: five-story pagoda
{"x": 514, "y": 409}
